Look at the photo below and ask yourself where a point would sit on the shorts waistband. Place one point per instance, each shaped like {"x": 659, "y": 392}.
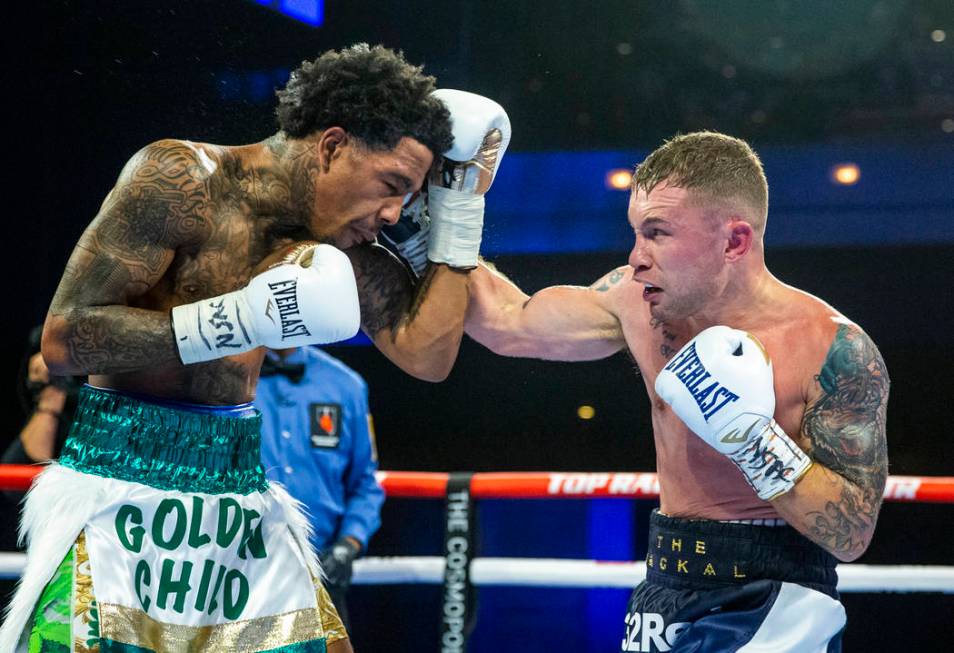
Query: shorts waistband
{"x": 168, "y": 446}
{"x": 757, "y": 522}
{"x": 698, "y": 553}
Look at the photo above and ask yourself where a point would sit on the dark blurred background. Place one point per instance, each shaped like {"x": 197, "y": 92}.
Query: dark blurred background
{"x": 590, "y": 87}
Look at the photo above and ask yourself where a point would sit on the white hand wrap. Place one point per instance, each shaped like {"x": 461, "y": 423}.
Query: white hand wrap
{"x": 454, "y": 234}
{"x": 771, "y": 462}
{"x": 213, "y": 328}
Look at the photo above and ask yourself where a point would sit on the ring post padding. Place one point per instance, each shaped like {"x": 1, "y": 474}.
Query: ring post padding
{"x": 458, "y": 609}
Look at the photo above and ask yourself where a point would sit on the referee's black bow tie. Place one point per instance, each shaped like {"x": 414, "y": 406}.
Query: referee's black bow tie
{"x": 294, "y": 372}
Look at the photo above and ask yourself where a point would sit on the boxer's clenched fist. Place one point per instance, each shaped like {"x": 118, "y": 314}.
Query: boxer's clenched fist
{"x": 721, "y": 385}
{"x": 455, "y": 198}
{"x": 309, "y": 297}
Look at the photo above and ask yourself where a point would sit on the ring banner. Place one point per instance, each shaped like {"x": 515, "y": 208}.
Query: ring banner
{"x": 458, "y": 610}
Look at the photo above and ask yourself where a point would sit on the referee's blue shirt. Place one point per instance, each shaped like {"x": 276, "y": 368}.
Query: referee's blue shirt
{"x": 317, "y": 442}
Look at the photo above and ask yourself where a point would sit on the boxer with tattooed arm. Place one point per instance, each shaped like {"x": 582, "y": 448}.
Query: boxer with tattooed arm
{"x": 157, "y": 525}
{"x": 768, "y": 406}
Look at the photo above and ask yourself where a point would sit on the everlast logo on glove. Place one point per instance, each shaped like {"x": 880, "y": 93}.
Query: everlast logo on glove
{"x": 285, "y": 294}
{"x": 688, "y": 368}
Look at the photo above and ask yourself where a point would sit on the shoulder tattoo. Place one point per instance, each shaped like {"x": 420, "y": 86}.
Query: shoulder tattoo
{"x": 846, "y": 425}
{"x": 160, "y": 201}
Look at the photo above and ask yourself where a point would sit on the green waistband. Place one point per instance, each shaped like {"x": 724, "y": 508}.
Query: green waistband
{"x": 118, "y": 436}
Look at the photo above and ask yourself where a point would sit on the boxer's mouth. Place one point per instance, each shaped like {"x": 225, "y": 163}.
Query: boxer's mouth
{"x": 364, "y": 235}
{"x": 649, "y": 290}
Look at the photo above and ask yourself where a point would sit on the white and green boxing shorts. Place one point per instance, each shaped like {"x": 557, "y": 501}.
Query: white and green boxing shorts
{"x": 158, "y": 531}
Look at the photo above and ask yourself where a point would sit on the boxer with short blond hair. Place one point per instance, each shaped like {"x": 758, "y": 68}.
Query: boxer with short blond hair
{"x": 768, "y": 407}
{"x": 157, "y": 530}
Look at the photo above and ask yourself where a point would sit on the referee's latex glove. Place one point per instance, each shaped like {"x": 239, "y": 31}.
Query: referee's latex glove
{"x": 337, "y": 561}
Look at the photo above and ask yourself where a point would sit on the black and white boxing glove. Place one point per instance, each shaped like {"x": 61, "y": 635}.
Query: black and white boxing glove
{"x": 721, "y": 384}
{"x": 408, "y": 236}
{"x": 310, "y": 297}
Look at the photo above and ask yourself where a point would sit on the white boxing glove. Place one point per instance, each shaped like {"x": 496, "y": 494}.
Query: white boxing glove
{"x": 721, "y": 385}
{"x": 309, "y": 298}
{"x": 455, "y": 193}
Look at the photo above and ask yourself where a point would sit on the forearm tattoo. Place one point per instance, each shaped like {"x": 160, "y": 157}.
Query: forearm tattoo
{"x": 846, "y": 427}
{"x": 385, "y": 288}
{"x": 420, "y": 291}
{"x": 110, "y": 340}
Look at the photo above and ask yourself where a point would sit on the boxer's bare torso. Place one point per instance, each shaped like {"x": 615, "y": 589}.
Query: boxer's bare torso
{"x": 696, "y": 481}
{"x": 698, "y": 261}
{"x": 227, "y": 234}
{"x": 188, "y": 221}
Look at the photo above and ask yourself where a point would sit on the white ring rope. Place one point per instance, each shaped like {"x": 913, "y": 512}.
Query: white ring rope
{"x": 559, "y": 572}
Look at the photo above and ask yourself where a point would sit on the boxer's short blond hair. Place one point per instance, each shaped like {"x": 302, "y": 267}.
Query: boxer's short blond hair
{"x": 719, "y": 169}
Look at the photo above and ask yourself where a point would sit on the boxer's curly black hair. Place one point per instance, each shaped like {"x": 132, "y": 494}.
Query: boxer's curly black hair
{"x": 372, "y": 92}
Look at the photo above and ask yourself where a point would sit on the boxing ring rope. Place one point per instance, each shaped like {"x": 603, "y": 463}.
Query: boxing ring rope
{"x": 486, "y": 571}
{"x": 592, "y": 485}
{"x": 552, "y": 485}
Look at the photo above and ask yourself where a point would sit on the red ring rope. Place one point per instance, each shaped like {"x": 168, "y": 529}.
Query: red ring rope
{"x": 537, "y": 485}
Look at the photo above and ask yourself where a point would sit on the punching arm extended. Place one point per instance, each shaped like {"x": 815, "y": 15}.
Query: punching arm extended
{"x": 417, "y": 326}
{"x": 158, "y": 203}
{"x": 836, "y": 503}
{"x": 565, "y": 323}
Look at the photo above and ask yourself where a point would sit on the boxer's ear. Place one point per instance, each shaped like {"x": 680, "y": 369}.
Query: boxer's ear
{"x": 332, "y": 143}
{"x": 739, "y": 241}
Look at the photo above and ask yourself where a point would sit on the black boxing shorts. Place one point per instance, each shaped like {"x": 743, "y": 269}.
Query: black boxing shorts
{"x": 733, "y": 587}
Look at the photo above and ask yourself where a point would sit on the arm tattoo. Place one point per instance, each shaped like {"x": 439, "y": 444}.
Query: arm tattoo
{"x": 100, "y": 342}
{"x": 89, "y": 276}
{"x": 385, "y": 289}
{"x": 846, "y": 427}
{"x": 609, "y": 280}
{"x": 160, "y": 202}
{"x": 421, "y": 291}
